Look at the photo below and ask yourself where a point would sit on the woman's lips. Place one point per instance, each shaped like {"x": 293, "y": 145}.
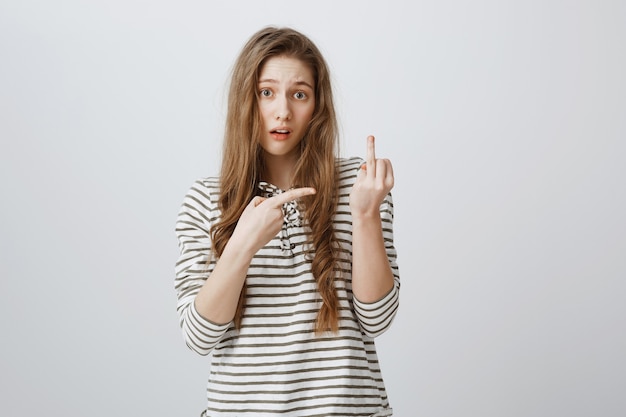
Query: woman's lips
{"x": 280, "y": 134}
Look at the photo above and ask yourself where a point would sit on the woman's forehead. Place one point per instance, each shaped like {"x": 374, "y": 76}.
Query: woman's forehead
{"x": 286, "y": 69}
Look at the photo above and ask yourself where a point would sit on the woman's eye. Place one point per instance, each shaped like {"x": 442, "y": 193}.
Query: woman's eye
{"x": 266, "y": 93}
{"x": 300, "y": 95}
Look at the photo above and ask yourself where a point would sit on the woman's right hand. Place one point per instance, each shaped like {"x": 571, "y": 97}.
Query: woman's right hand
{"x": 261, "y": 220}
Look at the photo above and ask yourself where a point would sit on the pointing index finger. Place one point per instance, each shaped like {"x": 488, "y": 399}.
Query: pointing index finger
{"x": 290, "y": 195}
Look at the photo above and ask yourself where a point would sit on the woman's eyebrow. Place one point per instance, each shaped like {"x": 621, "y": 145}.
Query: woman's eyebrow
{"x": 304, "y": 83}
{"x": 273, "y": 81}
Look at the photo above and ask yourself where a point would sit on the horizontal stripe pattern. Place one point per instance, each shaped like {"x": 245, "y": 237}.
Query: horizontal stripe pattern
{"x": 275, "y": 364}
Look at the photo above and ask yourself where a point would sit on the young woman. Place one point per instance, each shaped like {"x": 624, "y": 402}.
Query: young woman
{"x": 287, "y": 269}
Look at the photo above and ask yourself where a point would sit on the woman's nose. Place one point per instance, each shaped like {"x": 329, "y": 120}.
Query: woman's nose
{"x": 283, "y": 111}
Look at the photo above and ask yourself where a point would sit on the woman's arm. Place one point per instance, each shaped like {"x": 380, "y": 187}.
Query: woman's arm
{"x": 261, "y": 220}
{"x": 195, "y": 263}
{"x": 208, "y": 293}
{"x": 372, "y": 277}
{"x": 375, "y": 278}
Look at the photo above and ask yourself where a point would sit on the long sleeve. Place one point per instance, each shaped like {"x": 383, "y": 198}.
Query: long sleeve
{"x": 275, "y": 363}
{"x": 194, "y": 265}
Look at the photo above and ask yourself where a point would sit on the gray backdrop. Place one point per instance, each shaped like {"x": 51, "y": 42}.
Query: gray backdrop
{"x": 505, "y": 122}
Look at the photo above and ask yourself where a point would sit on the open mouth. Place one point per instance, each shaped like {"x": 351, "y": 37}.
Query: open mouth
{"x": 280, "y": 134}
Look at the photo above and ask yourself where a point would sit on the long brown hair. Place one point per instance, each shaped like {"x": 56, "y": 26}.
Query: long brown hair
{"x": 242, "y": 161}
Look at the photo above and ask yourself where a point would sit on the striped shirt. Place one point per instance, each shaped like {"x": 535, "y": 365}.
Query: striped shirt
{"x": 275, "y": 364}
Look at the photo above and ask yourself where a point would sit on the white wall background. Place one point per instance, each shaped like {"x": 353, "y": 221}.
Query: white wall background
{"x": 506, "y": 124}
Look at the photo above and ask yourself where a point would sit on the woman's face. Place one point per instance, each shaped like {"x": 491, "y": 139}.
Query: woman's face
{"x": 286, "y": 94}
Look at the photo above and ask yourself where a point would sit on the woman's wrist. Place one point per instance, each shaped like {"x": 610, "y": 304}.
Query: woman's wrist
{"x": 366, "y": 218}
{"x": 238, "y": 252}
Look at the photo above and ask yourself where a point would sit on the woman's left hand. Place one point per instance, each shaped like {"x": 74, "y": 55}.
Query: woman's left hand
{"x": 373, "y": 183}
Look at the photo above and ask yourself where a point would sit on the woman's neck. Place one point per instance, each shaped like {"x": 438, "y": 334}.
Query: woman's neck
{"x": 279, "y": 170}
